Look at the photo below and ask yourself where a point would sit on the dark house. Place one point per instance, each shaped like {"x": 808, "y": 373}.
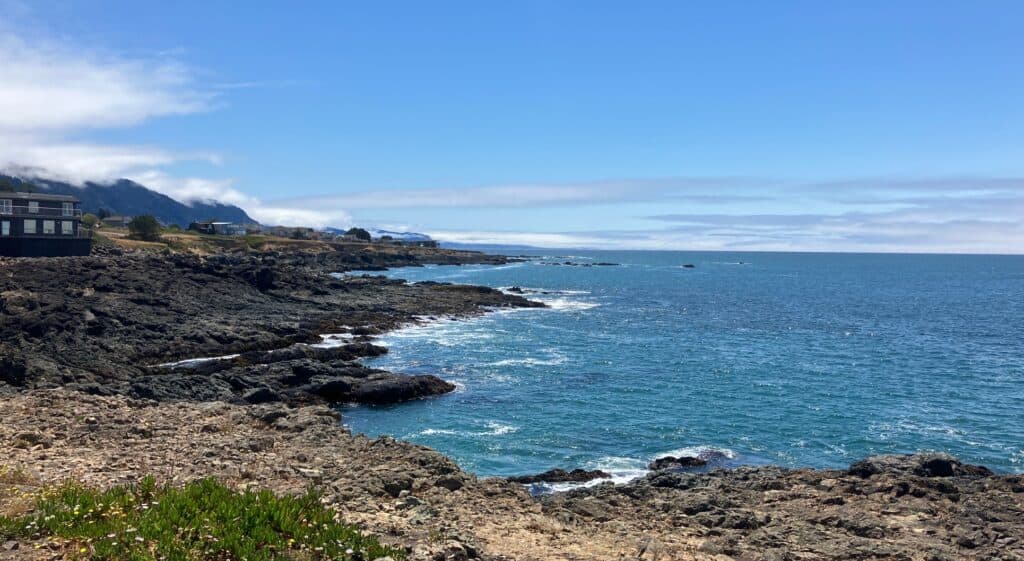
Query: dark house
{"x": 40, "y": 225}
{"x": 219, "y": 228}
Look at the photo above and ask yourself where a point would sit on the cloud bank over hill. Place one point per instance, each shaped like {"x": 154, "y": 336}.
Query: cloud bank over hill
{"x": 55, "y": 94}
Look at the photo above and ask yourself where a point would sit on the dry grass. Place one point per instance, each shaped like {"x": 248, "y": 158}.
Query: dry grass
{"x": 17, "y": 491}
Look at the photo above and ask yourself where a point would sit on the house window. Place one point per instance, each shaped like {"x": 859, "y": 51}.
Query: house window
{"x": 68, "y": 209}
{"x": 6, "y": 206}
{"x": 29, "y": 226}
{"x": 5, "y": 228}
{"x": 67, "y": 227}
{"x": 33, "y": 207}
{"x": 48, "y": 226}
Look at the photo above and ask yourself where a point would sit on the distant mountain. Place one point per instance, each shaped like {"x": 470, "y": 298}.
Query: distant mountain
{"x": 404, "y": 236}
{"x": 128, "y": 198}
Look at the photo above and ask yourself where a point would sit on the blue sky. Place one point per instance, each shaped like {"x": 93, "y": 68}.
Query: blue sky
{"x": 854, "y": 126}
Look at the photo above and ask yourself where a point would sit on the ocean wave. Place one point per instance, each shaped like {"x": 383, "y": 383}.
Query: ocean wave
{"x": 530, "y": 361}
{"x": 494, "y": 428}
{"x": 431, "y": 432}
{"x": 541, "y": 291}
{"x": 566, "y": 304}
{"x": 498, "y": 429}
{"x": 704, "y": 452}
{"x": 624, "y": 469}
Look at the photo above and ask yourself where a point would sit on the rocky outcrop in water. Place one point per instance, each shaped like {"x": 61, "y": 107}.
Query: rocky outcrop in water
{"x": 559, "y": 475}
{"x": 672, "y": 462}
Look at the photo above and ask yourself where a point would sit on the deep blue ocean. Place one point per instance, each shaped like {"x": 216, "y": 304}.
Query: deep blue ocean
{"x": 793, "y": 359}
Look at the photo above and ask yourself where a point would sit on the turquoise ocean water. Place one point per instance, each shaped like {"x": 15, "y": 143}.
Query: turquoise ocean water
{"x": 792, "y": 359}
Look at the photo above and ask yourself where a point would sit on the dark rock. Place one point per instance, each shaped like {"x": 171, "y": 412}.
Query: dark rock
{"x": 921, "y": 465}
{"x": 336, "y": 390}
{"x": 561, "y": 476}
{"x": 450, "y": 482}
{"x": 672, "y": 462}
{"x": 395, "y": 485}
{"x": 12, "y": 369}
{"x": 261, "y": 395}
{"x": 397, "y": 388}
{"x": 30, "y": 439}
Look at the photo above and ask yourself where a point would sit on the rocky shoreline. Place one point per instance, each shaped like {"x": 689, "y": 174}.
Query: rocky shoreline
{"x": 110, "y": 324}
{"x": 93, "y": 388}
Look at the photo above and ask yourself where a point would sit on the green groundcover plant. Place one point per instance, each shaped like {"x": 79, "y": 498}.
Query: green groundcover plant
{"x": 202, "y": 521}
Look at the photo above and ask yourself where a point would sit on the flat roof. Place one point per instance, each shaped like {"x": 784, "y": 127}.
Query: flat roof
{"x": 36, "y": 196}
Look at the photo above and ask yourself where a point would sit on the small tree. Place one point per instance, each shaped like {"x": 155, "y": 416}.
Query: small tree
{"x": 90, "y": 220}
{"x": 359, "y": 234}
{"x": 144, "y": 227}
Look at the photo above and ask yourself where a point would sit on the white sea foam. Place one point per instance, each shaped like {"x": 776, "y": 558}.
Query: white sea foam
{"x": 331, "y": 340}
{"x": 542, "y": 291}
{"x": 493, "y": 429}
{"x": 498, "y": 429}
{"x": 530, "y": 361}
{"x": 190, "y": 362}
{"x": 431, "y": 432}
{"x": 625, "y": 469}
{"x": 704, "y": 452}
{"x": 566, "y": 304}
{"x": 621, "y": 469}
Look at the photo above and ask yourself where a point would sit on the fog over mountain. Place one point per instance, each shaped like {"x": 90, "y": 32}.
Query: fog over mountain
{"x": 126, "y": 197}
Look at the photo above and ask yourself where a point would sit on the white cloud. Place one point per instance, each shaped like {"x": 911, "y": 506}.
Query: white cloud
{"x": 50, "y": 87}
{"x": 285, "y": 216}
{"x": 695, "y": 189}
{"x": 192, "y": 188}
{"x": 52, "y": 93}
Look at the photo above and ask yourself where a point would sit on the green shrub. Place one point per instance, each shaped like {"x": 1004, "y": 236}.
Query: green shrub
{"x": 144, "y": 227}
{"x": 203, "y": 521}
{"x": 359, "y": 234}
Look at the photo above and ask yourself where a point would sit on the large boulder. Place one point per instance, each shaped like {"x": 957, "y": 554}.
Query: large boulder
{"x": 396, "y": 388}
{"x": 921, "y": 465}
